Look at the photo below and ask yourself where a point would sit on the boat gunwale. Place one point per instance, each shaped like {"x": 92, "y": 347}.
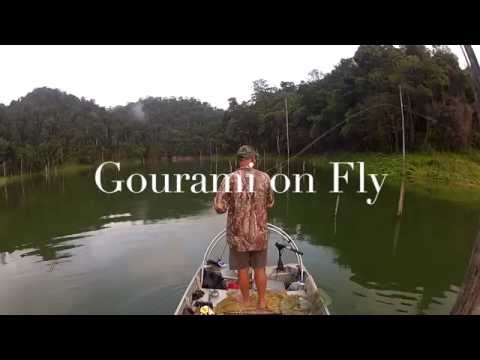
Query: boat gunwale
{"x": 198, "y": 274}
{"x": 201, "y": 268}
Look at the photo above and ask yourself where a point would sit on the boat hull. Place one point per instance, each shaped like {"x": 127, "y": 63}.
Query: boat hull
{"x": 275, "y": 283}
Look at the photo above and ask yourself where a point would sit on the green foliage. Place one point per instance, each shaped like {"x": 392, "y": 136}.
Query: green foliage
{"x": 366, "y": 89}
{"x": 49, "y": 127}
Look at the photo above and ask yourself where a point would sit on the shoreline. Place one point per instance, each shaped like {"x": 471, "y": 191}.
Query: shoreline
{"x": 62, "y": 170}
{"x": 440, "y": 169}
{"x": 69, "y": 168}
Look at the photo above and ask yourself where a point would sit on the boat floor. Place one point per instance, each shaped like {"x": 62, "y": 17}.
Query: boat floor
{"x": 248, "y": 309}
{"x": 277, "y": 292}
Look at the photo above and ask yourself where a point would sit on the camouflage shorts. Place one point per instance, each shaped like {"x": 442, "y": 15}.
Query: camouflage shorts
{"x": 245, "y": 259}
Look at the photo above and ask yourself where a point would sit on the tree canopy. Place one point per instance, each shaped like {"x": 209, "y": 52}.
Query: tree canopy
{"x": 48, "y": 126}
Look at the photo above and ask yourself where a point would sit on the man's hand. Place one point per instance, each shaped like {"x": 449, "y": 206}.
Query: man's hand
{"x": 220, "y": 210}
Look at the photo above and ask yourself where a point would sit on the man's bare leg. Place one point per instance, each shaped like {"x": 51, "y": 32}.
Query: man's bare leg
{"x": 261, "y": 283}
{"x": 244, "y": 283}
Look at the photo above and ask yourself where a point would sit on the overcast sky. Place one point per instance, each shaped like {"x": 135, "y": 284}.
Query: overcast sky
{"x": 116, "y": 75}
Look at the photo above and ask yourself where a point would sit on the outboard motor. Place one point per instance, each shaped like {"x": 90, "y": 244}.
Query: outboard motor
{"x": 280, "y": 248}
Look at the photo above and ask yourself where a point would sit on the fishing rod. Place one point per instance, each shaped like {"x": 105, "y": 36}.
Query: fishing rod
{"x": 346, "y": 120}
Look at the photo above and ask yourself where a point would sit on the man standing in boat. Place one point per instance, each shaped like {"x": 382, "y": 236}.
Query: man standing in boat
{"x": 247, "y": 207}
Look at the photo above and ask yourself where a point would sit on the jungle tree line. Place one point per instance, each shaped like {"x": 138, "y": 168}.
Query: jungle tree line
{"x": 49, "y": 127}
{"x": 438, "y": 99}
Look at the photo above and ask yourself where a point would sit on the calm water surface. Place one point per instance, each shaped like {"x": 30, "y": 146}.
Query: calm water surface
{"x": 67, "y": 248}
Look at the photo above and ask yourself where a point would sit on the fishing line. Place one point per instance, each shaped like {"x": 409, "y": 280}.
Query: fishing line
{"x": 223, "y": 251}
{"x": 313, "y": 142}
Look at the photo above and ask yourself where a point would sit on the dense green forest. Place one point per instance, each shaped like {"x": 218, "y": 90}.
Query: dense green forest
{"x": 48, "y": 127}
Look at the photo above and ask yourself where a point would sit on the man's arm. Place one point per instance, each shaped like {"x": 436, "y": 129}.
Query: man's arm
{"x": 220, "y": 202}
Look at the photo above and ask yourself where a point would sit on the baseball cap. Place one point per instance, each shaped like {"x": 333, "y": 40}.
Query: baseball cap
{"x": 246, "y": 151}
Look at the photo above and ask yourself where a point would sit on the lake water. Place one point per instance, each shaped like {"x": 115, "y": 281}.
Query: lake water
{"x": 67, "y": 248}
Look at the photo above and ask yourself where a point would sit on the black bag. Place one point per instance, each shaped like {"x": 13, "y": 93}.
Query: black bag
{"x": 213, "y": 280}
{"x": 199, "y": 304}
{"x": 197, "y": 294}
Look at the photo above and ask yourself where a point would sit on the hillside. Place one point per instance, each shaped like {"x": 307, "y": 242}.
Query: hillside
{"x": 360, "y": 98}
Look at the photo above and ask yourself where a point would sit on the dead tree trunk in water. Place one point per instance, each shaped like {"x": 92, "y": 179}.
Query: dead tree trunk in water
{"x": 402, "y": 188}
{"x": 474, "y": 67}
{"x": 412, "y": 123}
{"x": 278, "y": 142}
{"x": 288, "y": 139}
{"x": 468, "y": 301}
{"x": 216, "y": 160}
{"x": 264, "y": 160}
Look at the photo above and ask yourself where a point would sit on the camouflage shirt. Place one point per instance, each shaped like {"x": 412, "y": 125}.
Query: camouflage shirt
{"x": 247, "y": 209}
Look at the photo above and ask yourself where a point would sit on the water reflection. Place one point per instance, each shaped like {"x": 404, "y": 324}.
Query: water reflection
{"x": 396, "y": 235}
{"x": 49, "y": 216}
{"x": 139, "y": 250}
{"x": 426, "y": 252}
